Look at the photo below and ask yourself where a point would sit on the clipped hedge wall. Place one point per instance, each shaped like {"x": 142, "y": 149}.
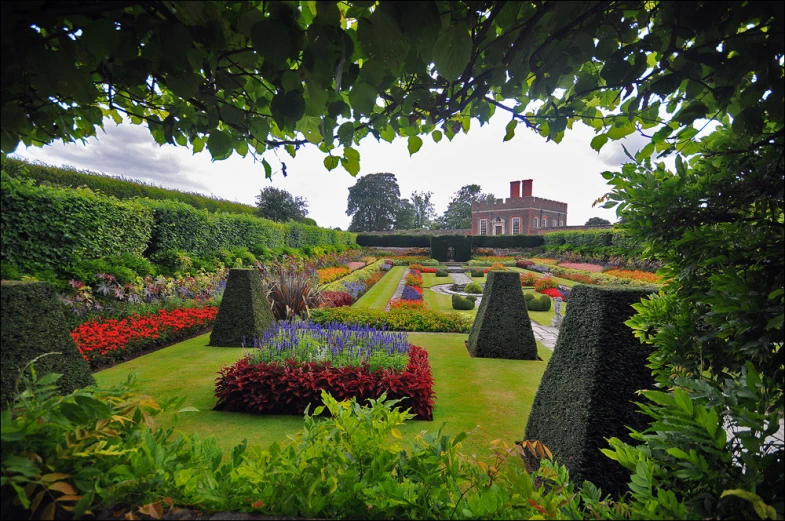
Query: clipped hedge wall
{"x": 502, "y": 328}
{"x": 394, "y": 241}
{"x": 119, "y": 187}
{"x": 32, "y": 324}
{"x": 588, "y": 389}
{"x": 244, "y": 310}
{"x": 461, "y": 243}
{"x": 44, "y": 227}
{"x": 507, "y": 241}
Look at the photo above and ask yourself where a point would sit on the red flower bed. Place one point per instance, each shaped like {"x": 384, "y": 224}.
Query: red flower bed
{"x": 428, "y": 270}
{"x": 528, "y": 279}
{"x": 552, "y": 292}
{"x": 336, "y": 299}
{"x": 289, "y": 387}
{"x": 106, "y": 341}
{"x": 408, "y": 304}
{"x": 524, "y": 263}
{"x": 545, "y": 283}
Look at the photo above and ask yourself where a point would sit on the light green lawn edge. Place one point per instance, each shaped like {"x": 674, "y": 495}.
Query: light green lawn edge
{"x": 380, "y": 294}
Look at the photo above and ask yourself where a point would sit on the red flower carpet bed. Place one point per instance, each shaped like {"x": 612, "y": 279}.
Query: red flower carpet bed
{"x": 288, "y": 387}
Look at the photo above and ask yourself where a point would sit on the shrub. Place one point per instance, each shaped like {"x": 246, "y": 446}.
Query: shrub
{"x": 529, "y": 279}
{"x": 31, "y": 325}
{"x": 472, "y": 287}
{"x": 442, "y": 273}
{"x": 112, "y": 341}
{"x": 124, "y": 267}
{"x": 290, "y": 288}
{"x": 545, "y": 283}
{"x": 290, "y": 387}
{"x": 588, "y": 389}
{"x": 459, "y": 302}
{"x": 478, "y": 273}
{"x": 336, "y": 299}
{"x": 538, "y": 303}
{"x": 244, "y": 310}
{"x": 523, "y": 263}
{"x": 426, "y": 320}
{"x": 502, "y": 328}
{"x": 482, "y": 252}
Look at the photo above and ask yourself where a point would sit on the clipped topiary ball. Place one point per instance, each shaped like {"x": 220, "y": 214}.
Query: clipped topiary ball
{"x": 587, "y": 392}
{"x": 473, "y": 287}
{"x": 478, "y": 273}
{"x": 502, "y": 328}
{"x": 244, "y": 310}
{"x": 442, "y": 273}
{"x": 461, "y": 303}
{"x": 32, "y": 324}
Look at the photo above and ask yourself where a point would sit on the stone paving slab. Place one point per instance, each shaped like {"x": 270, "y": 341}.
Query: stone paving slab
{"x": 546, "y": 335}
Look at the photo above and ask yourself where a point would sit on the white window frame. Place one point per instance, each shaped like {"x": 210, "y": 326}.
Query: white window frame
{"x": 544, "y": 222}
{"x": 516, "y": 221}
{"x": 483, "y": 226}
{"x": 536, "y": 222}
{"x": 561, "y": 224}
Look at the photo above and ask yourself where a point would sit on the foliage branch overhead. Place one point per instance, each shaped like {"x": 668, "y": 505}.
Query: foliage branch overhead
{"x": 252, "y": 77}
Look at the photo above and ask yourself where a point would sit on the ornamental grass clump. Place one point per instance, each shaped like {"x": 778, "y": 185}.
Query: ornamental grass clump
{"x": 340, "y": 345}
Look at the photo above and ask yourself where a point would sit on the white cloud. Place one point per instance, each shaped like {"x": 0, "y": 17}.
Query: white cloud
{"x": 568, "y": 172}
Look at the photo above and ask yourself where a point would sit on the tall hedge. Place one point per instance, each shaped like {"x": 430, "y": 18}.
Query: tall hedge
{"x": 119, "y": 187}
{"x": 32, "y": 324}
{"x": 43, "y": 227}
{"x": 441, "y": 243}
{"x": 588, "y": 389}
{"x": 394, "y": 241}
{"x": 507, "y": 241}
{"x": 502, "y": 328}
{"x": 244, "y": 312}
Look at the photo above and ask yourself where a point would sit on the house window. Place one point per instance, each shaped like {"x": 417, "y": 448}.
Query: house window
{"x": 561, "y": 223}
{"x": 483, "y": 227}
{"x": 516, "y": 226}
{"x": 544, "y": 222}
{"x": 536, "y": 222}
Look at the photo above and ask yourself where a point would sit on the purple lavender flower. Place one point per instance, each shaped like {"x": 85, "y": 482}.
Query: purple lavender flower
{"x": 409, "y": 293}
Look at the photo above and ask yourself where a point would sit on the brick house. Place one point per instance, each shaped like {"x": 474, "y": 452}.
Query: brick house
{"x": 520, "y": 214}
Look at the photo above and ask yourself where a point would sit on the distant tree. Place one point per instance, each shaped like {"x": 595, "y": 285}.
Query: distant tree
{"x": 597, "y": 221}
{"x": 374, "y": 202}
{"x": 310, "y": 221}
{"x": 459, "y": 211}
{"x": 279, "y": 205}
{"x": 424, "y": 212}
{"x": 405, "y": 218}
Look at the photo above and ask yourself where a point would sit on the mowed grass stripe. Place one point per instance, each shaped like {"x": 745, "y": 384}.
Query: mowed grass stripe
{"x": 378, "y": 296}
{"x": 490, "y": 397}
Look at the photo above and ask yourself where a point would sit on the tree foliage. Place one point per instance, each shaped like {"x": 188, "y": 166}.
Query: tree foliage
{"x": 405, "y": 216}
{"x": 459, "y": 211}
{"x": 597, "y": 221}
{"x": 374, "y": 203}
{"x": 279, "y": 205}
{"x": 424, "y": 211}
{"x": 252, "y": 76}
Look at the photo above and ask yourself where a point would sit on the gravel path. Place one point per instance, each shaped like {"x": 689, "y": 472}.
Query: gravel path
{"x": 398, "y": 289}
{"x": 460, "y": 277}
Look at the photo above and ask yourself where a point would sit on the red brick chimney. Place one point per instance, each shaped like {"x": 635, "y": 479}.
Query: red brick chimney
{"x": 527, "y": 187}
{"x": 515, "y": 189}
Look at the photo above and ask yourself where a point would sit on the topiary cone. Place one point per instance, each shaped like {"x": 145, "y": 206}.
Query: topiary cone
{"x": 502, "y": 328}
{"x": 32, "y": 324}
{"x": 588, "y": 389}
{"x": 244, "y": 311}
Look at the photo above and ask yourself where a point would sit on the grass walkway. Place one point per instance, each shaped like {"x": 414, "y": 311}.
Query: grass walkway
{"x": 378, "y": 296}
{"x": 490, "y": 397}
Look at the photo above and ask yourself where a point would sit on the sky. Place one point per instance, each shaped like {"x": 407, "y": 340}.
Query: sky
{"x": 568, "y": 171}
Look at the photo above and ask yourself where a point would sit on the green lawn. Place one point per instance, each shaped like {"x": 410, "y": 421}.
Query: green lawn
{"x": 490, "y": 397}
{"x": 378, "y": 296}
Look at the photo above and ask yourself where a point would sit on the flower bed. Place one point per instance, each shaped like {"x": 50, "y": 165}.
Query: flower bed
{"x": 336, "y": 299}
{"x": 597, "y": 278}
{"x": 327, "y": 275}
{"x": 424, "y": 320}
{"x": 357, "y": 265}
{"x": 488, "y": 261}
{"x": 545, "y": 283}
{"x": 112, "y": 341}
{"x": 552, "y": 292}
{"x": 529, "y": 279}
{"x": 411, "y": 293}
{"x": 408, "y": 304}
{"x": 414, "y": 278}
{"x": 547, "y": 262}
{"x": 524, "y": 263}
{"x": 360, "y": 281}
{"x": 297, "y": 361}
{"x": 582, "y": 266}
{"x": 636, "y": 275}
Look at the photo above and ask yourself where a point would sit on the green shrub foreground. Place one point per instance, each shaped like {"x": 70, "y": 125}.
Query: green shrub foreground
{"x": 351, "y": 465}
{"x": 421, "y": 320}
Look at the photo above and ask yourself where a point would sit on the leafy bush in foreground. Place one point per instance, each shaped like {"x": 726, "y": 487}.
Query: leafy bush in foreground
{"x": 425, "y": 320}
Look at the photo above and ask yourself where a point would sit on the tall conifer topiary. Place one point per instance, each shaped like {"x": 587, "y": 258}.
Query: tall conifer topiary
{"x": 502, "y": 328}
{"x": 244, "y": 312}
{"x": 32, "y": 324}
{"x": 588, "y": 389}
